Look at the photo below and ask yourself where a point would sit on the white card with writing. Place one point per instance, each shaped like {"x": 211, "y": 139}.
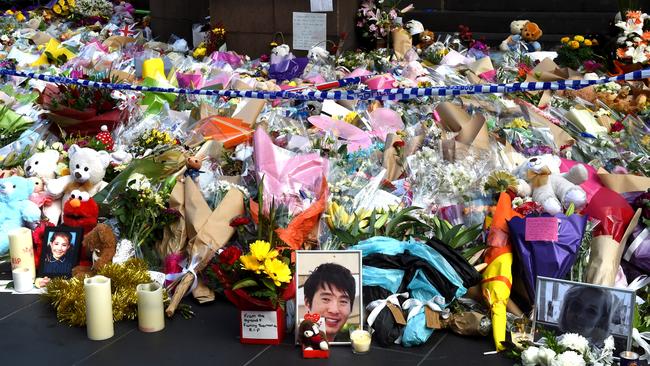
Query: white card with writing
{"x": 259, "y": 324}
{"x": 309, "y": 29}
{"x": 321, "y": 5}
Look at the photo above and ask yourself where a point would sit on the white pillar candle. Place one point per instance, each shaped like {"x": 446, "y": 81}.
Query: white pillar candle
{"x": 151, "y": 313}
{"x": 361, "y": 340}
{"x": 21, "y": 250}
{"x": 23, "y": 281}
{"x": 99, "y": 308}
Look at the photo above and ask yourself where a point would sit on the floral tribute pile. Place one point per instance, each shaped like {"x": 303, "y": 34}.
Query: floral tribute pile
{"x": 218, "y": 193}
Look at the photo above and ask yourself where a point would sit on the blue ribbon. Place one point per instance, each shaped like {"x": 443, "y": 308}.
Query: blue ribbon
{"x": 382, "y": 94}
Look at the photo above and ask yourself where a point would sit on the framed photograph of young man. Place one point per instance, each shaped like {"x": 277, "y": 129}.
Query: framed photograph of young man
{"x": 329, "y": 284}
{"x": 595, "y": 312}
{"x": 60, "y": 252}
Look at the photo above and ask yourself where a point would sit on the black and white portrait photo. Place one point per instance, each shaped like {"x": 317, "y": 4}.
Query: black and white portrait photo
{"x": 595, "y": 312}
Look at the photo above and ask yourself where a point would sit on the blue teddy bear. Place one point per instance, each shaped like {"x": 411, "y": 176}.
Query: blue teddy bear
{"x": 16, "y": 210}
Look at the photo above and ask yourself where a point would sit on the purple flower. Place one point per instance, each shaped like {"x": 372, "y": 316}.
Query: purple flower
{"x": 591, "y": 66}
{"x": 619, "y": 170}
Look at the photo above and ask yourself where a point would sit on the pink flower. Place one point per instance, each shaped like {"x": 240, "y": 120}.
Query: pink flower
{"x": 619, "y": 170}
{"x": 359, "y": 24}
{"x": 392, "y": 13}
{"x": 372, "y": 27}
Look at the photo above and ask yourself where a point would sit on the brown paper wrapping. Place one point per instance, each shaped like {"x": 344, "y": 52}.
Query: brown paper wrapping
{"x": 118, "y": 41}
{"x": 394, "y": 167}
{"x": 122, "y": 76}
{"x": 623, "y": 183}
{"x": 402, "y": 42}
{"x": 208, "y": 232}
{"x": 481, "y": 66}
{"x": 251, "y": 108}
{"x": 467, "y": 323}
{"x": 175, "y": 235}
{"x": 547, "y": 70}
{"x": 605, "y": 256}
{"x": 40, "y": 38}
{"x": 472, "y": 130}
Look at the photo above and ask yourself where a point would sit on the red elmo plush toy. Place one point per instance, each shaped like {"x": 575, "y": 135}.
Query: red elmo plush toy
{"x": 81, "y": 210}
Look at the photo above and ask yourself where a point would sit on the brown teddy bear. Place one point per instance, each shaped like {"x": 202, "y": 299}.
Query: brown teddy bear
{"x": 528, "y": 38}
{"x": 426, "y": 40}
{"x": 101, "y": 242}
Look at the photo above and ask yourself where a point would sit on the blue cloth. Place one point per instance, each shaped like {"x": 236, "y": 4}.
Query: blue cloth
{"x": 416, "y": 331}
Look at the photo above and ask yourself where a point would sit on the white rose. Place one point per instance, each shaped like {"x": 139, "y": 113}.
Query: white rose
{"x": 530, "y": 357}
{"x": 568, "y": 358}
{"x": 574, "y": 341}
{"x": 545, "y": 356}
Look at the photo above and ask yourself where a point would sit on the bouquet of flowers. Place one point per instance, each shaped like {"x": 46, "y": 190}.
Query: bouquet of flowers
{"x": 80, "y": 109}
{"x": 578, "y": 51}
{"x": 92, "y": 8}
{"x": 259, "y": 279}
{"x": 568, "y": 349}
{"x": 376, "y": 19}
{"x": 141, "y": 212}
{"x": 216, "y": 37}
{"x": 633, "y": 41}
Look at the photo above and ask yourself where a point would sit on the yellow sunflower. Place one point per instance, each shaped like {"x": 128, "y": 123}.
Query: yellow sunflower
{"x": 249, "y": 262}
{"x": 261, "y": 250}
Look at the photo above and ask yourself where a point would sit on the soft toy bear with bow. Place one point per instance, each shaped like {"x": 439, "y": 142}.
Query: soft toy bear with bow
{"x": 542, "y": 179}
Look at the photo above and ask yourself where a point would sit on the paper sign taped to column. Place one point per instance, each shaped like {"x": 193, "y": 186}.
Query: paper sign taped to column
{"x": 259, "y": 324}
{"x": 321, "y": 5}
{"x": 309, "y": 29}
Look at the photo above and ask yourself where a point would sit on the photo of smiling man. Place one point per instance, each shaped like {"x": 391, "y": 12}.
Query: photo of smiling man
{"x": 329, "y": 284}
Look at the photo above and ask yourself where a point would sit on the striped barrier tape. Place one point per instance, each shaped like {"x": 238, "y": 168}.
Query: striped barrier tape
{"x": 366, "y": 94}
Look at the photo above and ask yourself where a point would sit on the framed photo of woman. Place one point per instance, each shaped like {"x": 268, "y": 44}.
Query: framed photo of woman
{"x": 61, "y": 250}
{"x": 329, "y": 284}
{"x": 595, "y": 312}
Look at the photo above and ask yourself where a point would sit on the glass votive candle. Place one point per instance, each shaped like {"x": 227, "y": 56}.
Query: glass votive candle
{"x": 361, "y": 338}
{"x": 522, "y": 332}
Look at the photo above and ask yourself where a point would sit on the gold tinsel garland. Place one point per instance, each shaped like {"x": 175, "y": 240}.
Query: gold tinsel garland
{"x": 69, "y": 300}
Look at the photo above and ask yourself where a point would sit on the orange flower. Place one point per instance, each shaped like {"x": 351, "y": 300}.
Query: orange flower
{"x": 620, "y": 53}
{"x": 646, "y": 35}
{"x": 636, "y": 15}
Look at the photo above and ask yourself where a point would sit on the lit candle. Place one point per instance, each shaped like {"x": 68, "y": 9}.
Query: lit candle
{"x": 23, "y": 281}
{"x": 21, "y": 250}
{"x": 360, "y": 341}
{"x": 99, "y": 308}
{"x": 151, "y": 315}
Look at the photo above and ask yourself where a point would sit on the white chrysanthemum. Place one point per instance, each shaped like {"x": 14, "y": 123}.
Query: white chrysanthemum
{"x": 530, "y": 356}
{"x": 575, "y": 342}
{"x": 568, "y": 358}
{"x": 545, "y": 356}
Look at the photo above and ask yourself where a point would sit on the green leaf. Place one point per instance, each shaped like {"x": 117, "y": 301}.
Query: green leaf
{"x": 469, "y": 253}
{"x": 247, "y": 282}
{"x": 450, "y": 234}
{"x": 570, "y": 210}
{"x": 466, "y": 236}
{"x": 269, "y": 284}
{"x": 344, "y": 236}
{"x": 401, "y": 219}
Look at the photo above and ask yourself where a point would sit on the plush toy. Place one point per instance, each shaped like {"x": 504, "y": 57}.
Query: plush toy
{"x": 16, "y": 210}
{"x": 193, "y": 165}
{"x": 44, "y": 165}
{"x": 87, "y": 170}
{"x": 530, "y": 34}
{"x": 311, "y": 337}
{"x": 81, "y": 211}
{"x": 553, "y": 190}
{"x": 39, "y": 196}
{"x": 105, "y": 138}
{"x": 101, "y": 243}
{"x": 426, "y": 40}
{"x": 517, "y": 30}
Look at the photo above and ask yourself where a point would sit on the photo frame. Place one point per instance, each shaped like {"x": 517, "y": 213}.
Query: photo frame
{"x": 325, "y": 279}
{"x": 60, "y": 252}
{"x": 590, "y": 310}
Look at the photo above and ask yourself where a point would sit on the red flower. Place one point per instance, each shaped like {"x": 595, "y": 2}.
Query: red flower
{"x": 528, "y": 208}
{"x": 230, "y": 255}
{"x": 399, "y": 143}
{"x": 239, "y": 221}
{"x": 616, "y": 127}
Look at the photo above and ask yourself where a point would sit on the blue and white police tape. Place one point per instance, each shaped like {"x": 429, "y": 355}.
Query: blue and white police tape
{"x": 365, "y": 94}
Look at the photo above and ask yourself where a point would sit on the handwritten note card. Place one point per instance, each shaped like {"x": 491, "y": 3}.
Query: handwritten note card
{"x": 541, "y": 229}
{"x": 309, "y": 29}
{"x": 321, "y": 5}
{"x": 259, "y": 324}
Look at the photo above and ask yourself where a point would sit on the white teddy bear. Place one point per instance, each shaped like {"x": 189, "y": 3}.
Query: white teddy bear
{"x": 516, "y": 26}
{"x": 87, "y": 171}
{"x": 541, "y": 177}
{"x": 44, "y": 165}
